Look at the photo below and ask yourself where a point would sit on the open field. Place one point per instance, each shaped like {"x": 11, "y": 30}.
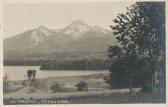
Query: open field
{"x": 98, "y": 92}
{"x": 118, "y": 98}
{"x": 95, "y": 83}
{"x": 101, "y": 97}
{"x": 38, "y": 94}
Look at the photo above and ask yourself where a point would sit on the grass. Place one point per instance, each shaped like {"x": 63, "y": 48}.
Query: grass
{"x": 118, "y": 99}
{"x": 113, "y": 98}
{"x": 93, "y": 96}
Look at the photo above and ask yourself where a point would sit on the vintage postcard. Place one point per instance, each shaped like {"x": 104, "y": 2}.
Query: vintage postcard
{"x": 83, "y": 52}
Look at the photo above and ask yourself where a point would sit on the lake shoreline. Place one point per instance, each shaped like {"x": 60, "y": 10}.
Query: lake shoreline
{"x": 21, "y": 72}
{"x": 72, "y": 77}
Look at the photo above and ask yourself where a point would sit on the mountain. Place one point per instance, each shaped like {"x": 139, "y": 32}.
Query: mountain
{"x": 77, "y": 40}
{"x": 76, "y": 29}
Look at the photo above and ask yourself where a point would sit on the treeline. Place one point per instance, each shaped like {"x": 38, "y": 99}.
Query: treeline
{"x": 23, "y": 62}
{"x": 95, "y": 64}
{"x": 87, "y": 64}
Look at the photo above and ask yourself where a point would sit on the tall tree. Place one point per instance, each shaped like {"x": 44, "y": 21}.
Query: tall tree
{"x": 141, "y": 34}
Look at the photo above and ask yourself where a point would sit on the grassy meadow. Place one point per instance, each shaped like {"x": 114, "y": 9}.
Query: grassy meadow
{"x": 98, "y": 92}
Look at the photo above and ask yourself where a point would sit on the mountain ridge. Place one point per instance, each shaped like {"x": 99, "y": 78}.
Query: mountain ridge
{"x": 77, "y": 36}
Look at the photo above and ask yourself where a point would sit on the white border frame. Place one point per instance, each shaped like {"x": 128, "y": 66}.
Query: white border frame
{"x": 70, "y": 105}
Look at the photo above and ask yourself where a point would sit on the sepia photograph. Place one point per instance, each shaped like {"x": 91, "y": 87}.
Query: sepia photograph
{"x": 84, "y": 52}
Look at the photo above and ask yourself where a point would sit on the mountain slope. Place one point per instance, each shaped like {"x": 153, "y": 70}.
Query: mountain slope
{"x": 41, "y": 42}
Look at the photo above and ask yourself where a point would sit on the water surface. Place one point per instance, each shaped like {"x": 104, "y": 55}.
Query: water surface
{"x": 19, "y": 72}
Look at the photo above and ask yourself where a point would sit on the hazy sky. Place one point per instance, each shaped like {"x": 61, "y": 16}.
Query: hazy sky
{"x": 19, "y": 17}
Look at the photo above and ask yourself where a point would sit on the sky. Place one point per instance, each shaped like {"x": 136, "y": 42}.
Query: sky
{"x": 19, "y": 17}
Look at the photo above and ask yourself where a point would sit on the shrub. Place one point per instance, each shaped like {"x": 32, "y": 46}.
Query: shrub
{"x": 55, "y": 87}
{"x": 82, "y": 86}
{"x": 6, "y": 85}
{"x": 24, "y": 82}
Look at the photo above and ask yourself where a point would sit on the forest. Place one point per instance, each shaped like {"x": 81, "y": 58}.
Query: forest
{"x": 92, "y": 64}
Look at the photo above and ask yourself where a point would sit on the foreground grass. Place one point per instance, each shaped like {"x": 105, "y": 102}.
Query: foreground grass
{"x": 113, "y": 98}
{"x": 119, "y": 99}
{"x": 105, "y": 96}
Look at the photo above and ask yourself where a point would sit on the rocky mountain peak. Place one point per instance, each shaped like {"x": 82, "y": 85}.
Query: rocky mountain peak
{"x": 76, "y": 29}
{"x": 42, "y": 27}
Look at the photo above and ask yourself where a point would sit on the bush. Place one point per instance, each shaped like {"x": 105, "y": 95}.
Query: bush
{"x": 55, "y": 87}
{"x": 82, "y": 86}
{"x": 24, "y": 82}
{"x": 6, "y": 85}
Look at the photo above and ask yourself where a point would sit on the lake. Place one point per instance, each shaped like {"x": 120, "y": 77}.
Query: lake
{"x": 19, "y": 72}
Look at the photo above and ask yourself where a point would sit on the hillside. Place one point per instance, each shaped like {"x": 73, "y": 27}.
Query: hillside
{"x": 77, "y": 40}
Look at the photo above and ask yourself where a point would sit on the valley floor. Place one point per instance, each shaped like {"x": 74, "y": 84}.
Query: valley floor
{"x": 93, "y": 97}
{"x": 98, "y": 92}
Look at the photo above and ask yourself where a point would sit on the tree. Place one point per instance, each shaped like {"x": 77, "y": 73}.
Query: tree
{"x": 126, "y": 71}
{"x": 153, "y": 37}
{"x": 141, "y": 34}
